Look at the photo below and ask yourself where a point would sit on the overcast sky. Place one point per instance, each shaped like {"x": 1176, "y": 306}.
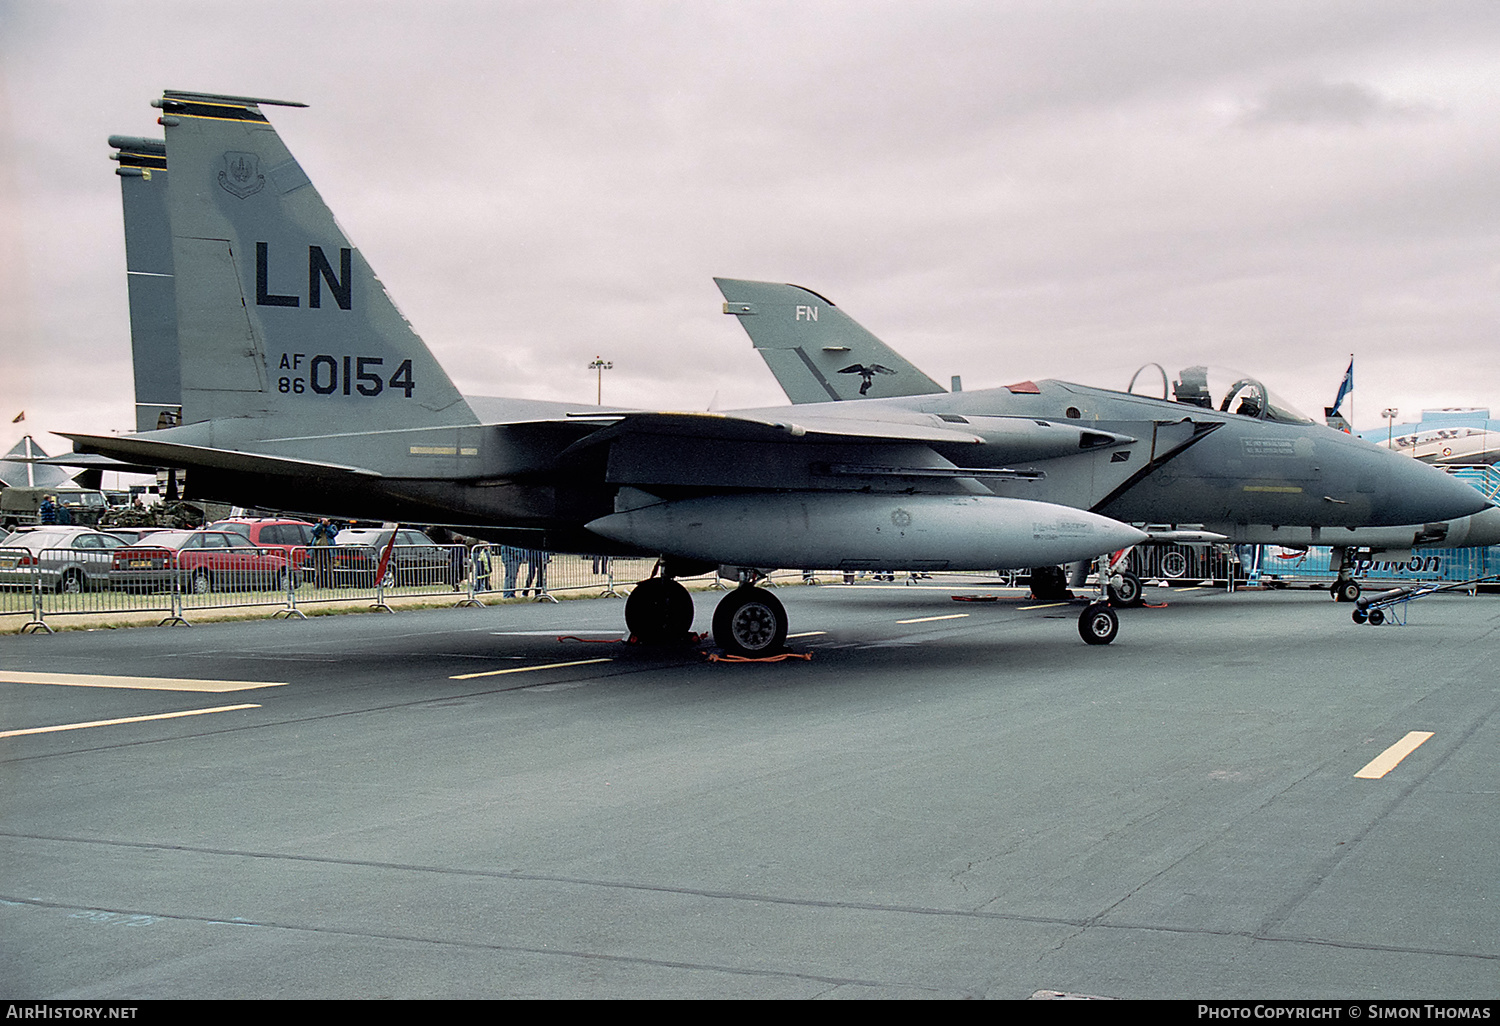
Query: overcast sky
{"x": 1002, "y": 190}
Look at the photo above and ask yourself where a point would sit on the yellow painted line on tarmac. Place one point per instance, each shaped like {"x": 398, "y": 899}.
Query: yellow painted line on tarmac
{"x": 528, "y": 669}
{"x": 127, "y": 719}
{"x": 92, "y": 680}
{"x": 1392, "y": 756}
{"x": 930, "y": 619}
{"x": 805, "y": 634}
{"x": 1046, "y": 605}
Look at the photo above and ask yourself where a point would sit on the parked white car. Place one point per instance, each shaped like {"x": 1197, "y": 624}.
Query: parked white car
{"x": 71, "y": 559}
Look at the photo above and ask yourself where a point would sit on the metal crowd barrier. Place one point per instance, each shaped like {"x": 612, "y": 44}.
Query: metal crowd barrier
{"x": 344, "y": 573}
{"x": 60, "y": 582}
{"x": 1317, "y": 566}
{"x": 19, "y": 587}
{"x": 542, "y": 576}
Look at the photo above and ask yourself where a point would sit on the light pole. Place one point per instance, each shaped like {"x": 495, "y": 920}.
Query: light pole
{"x": 1389, "y": 413}
{"x": 599, "y": 367}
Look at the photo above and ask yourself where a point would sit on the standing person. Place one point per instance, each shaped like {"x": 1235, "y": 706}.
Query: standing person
{"x": 46, "y": 513}
{"x": 323, "y": 535}
{"x": 458, "y": 559}
{"x": 536, "y": 572}
{"x": 483, "y": 567}
{"x": 512, "y": 558}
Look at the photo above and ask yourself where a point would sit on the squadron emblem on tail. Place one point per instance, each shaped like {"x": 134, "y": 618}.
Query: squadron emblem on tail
{"x": 241, "y": 174}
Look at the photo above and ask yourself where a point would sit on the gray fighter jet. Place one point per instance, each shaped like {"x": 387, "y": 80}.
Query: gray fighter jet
{"x": 1227, "y": 456}
{"x": 302, "y": 386}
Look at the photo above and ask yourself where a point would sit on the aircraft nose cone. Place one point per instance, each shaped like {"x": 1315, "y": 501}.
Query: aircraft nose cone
{"x": 1424, "y": 494}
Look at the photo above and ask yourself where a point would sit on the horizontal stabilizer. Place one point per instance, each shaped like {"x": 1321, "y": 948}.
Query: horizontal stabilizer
{"x": 144, "y": 451}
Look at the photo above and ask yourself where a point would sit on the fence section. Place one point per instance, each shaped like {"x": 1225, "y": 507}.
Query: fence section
{"x": 177, "y": 586}
{"x": 1318, "y": 566}
{"x": 374, "y": 573}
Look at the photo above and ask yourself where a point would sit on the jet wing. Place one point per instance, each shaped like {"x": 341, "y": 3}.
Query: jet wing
{"x": 752, "y": 427}
{"x": 174, "y": 454}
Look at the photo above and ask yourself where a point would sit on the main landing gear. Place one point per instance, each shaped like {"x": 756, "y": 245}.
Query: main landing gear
{"x": 751, "y": 622}
{"x": 748, "y": 621}
{"x": 659, "y": 612}
{"x": 1344, "y": 587}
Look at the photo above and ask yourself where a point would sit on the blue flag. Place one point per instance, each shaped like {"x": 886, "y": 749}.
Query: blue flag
{"x": 1345, "y": 387}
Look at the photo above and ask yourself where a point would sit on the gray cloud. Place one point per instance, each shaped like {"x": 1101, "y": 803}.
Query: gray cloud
{"x": 1331, "y": 103}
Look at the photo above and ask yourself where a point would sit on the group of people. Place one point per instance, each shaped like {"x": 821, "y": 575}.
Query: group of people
{"x": 534, "y": 560}
{"x": 53, "y": 512}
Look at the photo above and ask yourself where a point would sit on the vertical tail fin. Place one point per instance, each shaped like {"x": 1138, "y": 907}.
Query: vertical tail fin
{"x": 278, "y": 315}
{"x": 149, "y": 279}
{"x": 816, "y": 351}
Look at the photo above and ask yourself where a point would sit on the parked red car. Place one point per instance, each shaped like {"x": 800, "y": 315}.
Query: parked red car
{"x": 289, "y": 537}
{"x": 200, "y": 562}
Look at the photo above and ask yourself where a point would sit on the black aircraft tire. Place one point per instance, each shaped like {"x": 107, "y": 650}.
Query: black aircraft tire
{"x": 1345, "y": 591}
{"x": 659, "y": 611}
{"x": 1098, "y": 624}
{"x": 1049, "y": 584}
{"x": 1128, "y": 594}
{"x": 750, "y": 622}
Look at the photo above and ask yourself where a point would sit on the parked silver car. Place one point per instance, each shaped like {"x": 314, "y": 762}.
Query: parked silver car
{"x": 71, "y": 559}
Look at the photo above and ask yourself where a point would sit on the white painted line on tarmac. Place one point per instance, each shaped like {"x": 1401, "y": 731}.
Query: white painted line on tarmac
{"x": 805, "y": 634}
{"x": 127, "y": 719}
{"x": 930, "y": 619}
{"x": 92, "y": 680}
{"x": 528, "y": 669}
{"x": 1392, "y": 756}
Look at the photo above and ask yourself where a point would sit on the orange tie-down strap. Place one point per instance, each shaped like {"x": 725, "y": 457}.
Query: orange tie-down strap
{"x": 714, "y": 657}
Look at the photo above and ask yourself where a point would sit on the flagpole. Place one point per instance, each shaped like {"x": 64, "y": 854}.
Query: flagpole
{"x": 1352, "y": 429}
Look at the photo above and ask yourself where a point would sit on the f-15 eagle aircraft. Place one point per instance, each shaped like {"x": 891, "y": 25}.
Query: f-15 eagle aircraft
{"x": 302, "y": 386}
{"x": 1228, "y": 456}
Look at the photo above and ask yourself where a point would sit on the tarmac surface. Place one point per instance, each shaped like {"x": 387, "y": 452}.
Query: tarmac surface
{"x": 948, "y": 800}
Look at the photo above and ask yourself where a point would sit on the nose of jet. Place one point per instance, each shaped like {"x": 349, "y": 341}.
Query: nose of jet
{"x": 1480, "y": 530}
{"x": 1417, "y": 493}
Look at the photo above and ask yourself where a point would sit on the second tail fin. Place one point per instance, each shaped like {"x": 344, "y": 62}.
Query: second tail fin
{"x": 816, "y": 351}
{"x": 149, "y": 279}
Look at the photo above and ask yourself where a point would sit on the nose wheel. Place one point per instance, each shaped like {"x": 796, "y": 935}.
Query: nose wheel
{"x": 1344, "y": 590}
{"x": 750, "y": 622}
{"x": 1098, "y": 624}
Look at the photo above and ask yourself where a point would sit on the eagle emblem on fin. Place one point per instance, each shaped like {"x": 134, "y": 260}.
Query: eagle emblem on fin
{"x": 866, "y": 374}
{"x": 241, "y": 175}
